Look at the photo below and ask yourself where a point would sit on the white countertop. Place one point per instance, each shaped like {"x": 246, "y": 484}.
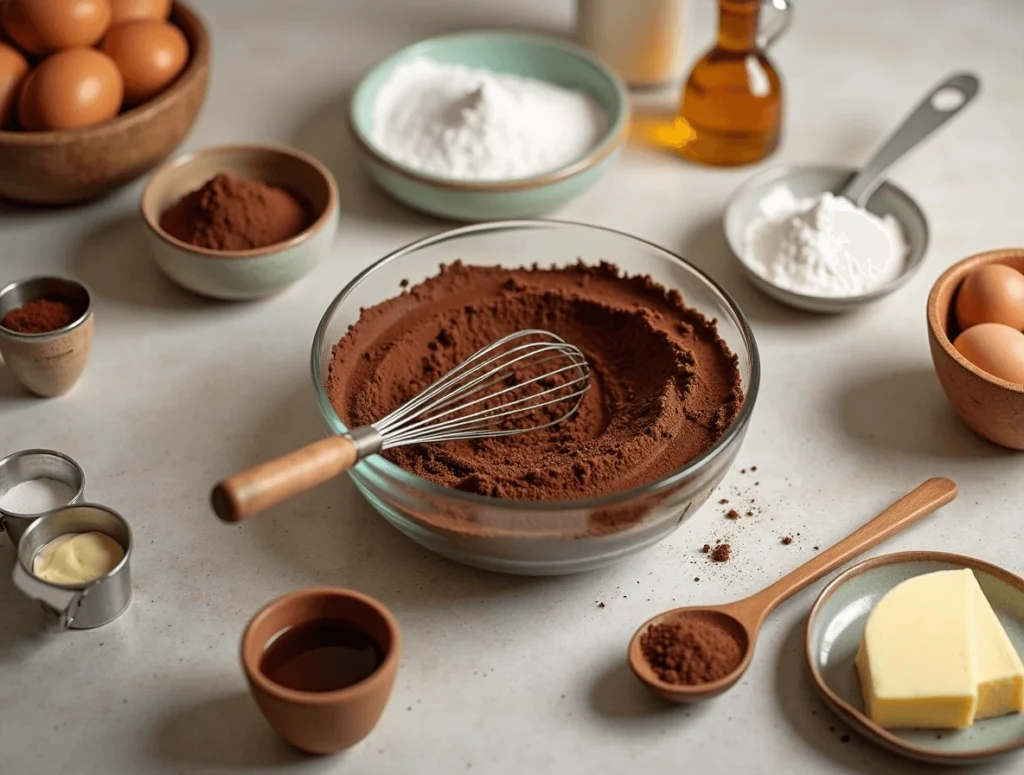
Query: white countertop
{"x": 500, "y": 674}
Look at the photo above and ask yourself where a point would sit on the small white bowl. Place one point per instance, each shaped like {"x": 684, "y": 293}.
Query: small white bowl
{"x": 241, "y": 274}
{"x": 809, "y": 181}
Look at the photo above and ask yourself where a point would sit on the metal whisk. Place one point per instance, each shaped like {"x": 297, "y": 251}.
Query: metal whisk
{"x": 526, "y": 381}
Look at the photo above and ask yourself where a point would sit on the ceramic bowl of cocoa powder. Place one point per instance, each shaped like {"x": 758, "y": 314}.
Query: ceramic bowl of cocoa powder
{"x": 675, "y": 380}
{"x": 240, "y": 222}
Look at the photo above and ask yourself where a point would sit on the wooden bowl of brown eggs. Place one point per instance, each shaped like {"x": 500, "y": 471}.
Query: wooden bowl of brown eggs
{"x": 94, "y": 93}
{"x": 975, "y": 324}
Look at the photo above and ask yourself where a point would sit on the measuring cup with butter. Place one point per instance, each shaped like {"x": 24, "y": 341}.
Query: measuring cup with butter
{"x": 75, "y": 562}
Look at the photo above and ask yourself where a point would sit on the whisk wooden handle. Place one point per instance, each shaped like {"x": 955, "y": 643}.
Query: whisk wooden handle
{"x": 243, "y": 495}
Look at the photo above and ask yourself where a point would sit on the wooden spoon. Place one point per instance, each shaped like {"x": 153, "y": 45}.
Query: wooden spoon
{"x": 743, "y": 619}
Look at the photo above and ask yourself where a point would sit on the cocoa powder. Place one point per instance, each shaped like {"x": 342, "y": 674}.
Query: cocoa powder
{"x": 692, "y": 649}
{"x": 665, "y": 387}
{"x": 229, "y": 213}
{"x": 39, "y": 316}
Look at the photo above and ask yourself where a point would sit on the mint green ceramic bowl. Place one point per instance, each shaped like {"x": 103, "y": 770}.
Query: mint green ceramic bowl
{"x": 529, "y": 56}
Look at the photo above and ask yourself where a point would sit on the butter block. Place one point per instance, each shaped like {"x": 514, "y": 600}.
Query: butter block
{"x": 1000, "y": 672}
{"x": 917, "y": 658}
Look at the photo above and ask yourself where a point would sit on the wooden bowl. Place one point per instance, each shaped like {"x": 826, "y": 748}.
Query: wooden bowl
{"x": 991, "y": 407}
{"x": 72, "y": 165}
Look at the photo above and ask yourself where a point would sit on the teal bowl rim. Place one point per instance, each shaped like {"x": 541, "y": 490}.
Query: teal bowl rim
{"x": 614, "y": 136}
{"x": 393, "y": 471}
{"x": 858, "y": 717}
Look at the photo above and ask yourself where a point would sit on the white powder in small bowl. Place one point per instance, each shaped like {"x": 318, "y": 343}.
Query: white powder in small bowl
{"x": 824, "y": 246}
{"x": 35, "y": 496}
{"x": 474, "y": 124}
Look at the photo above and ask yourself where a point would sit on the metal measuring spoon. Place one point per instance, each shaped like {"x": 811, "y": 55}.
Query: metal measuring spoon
{"x": 939, "y": 106}
{"x": 743, "y": 619}
{"x": 865, "y": 187}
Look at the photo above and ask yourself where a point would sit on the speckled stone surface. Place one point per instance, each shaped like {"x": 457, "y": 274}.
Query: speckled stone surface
{"x": 499, "y": 674}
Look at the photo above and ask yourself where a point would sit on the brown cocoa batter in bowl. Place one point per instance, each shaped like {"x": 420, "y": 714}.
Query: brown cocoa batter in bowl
{"x": 664, "y": 386}
{"x": 661, "y": 424}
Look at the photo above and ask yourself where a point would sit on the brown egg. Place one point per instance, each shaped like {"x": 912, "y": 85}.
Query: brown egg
{"x": 28, "y": 117}
{"x": 42, "y": 26}
{"x": 19, "y": 30}
{"x": 994, "y": 348}
{"x": 149, "y": 55}
{"x": 993, "y": 293}
{"x": 125, "y": 10}
{"x": 74, "y": 88}
{"x": 13, "y": 69}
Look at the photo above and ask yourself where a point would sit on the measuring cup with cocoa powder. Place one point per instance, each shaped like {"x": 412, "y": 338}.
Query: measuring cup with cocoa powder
{"x": 694, "y": 653}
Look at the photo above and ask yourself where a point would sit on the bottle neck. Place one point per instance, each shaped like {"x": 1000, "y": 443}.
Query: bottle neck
{"x": 737, "y": 24}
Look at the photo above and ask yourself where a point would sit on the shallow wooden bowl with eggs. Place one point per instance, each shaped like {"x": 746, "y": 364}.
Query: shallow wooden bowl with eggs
{"x": 991, "y": 407}
{"x": 61, "y": 167}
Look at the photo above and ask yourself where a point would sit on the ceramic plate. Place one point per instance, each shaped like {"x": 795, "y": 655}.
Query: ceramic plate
{"x": 806, "y": 181}
{"x": 835, "y": 628}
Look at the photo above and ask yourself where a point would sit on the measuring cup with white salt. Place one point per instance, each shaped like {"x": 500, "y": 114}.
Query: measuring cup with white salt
{"x": 34, "y": 482}
{"x": 830, "y": 238}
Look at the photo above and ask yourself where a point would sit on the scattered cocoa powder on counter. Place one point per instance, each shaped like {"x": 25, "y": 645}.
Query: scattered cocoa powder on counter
{"x": 230, "y": 213}
{"x": 39, "y": 316}
{"x": 723, "y": 501}
{"x": 692, "y": 649}
{"x": 732, "y": 514}
{"x": 721, "y": 553}
{"x": 706, "y": 548}
{"x": 787, "y": 540}
{"x": 665, "y": 388}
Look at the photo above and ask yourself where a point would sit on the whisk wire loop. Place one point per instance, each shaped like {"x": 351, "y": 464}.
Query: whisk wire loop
{"x": 459, "y": 406}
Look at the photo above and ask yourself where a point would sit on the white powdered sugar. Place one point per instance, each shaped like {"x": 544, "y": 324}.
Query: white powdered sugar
{"x": 470, "y": 124}
{"x": 825, "y": 246}
{"x": 36, "y": 496}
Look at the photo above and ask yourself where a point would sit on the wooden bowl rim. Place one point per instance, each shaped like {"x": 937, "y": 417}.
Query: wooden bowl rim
{"x": 954, "y": 275}
{"x": 322, "y": 218}
{"x": 198, "y": 62}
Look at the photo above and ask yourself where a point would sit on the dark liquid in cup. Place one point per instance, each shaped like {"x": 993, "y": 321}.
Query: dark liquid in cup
{"x": 321, "y": 656}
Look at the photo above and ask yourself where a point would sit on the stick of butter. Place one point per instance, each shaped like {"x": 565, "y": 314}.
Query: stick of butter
{"x": 916, "y": 659}
{"x": 934, "y": 655}
{"x": 1000, "y": 672}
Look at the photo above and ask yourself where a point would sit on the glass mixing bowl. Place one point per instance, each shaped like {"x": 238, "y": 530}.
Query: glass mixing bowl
{"x": 538, "y": 537}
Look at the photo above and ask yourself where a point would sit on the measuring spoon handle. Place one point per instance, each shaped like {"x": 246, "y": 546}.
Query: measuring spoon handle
{"x": 912, "y": 507}
{"x": 928, "y": 116}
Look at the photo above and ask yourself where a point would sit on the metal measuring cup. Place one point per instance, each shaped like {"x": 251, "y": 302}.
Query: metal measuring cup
{"x": 76, "y": 606}
{"x": 36, "y": 464}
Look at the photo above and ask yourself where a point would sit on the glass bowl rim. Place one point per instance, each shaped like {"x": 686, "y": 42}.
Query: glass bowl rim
{"x": 389, "y": 469}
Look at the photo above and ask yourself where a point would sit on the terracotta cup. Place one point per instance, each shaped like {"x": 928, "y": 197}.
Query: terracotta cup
{"x": 322, "y": 722}
{"x": 48, "y": 364}
{"x": 991, "y": 407}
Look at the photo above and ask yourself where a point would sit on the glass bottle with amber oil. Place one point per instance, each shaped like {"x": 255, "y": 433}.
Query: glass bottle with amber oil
{"x": 733, "y": 97}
